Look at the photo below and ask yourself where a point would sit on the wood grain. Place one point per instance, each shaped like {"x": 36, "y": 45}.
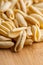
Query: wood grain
{"x": 30, "y": 55}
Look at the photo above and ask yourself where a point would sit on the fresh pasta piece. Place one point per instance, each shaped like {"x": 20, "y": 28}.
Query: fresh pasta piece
{"x": 29, "y": 32}
{"x": 7, "y": 25}
{"x": 23, "y": 6}
{"x": 10, "y": 14}
{"x": 2, "y": 32}
{"x": 16, "y": 23}
{"x": 18, "y": 5}
{"x": 6, "y": 6}
{"x": 35, "y": 10}
{"x": 19, "y": 29}
{"x": 18, "y": 41}
{"x": 21, "y": 40}
{"x": 2, "y": 38}
{"x": 21, "y": 20}
{"x": 6, "y": 44}
{"x": 28, "y": 42}
{"x": 36, "y": 33}
{"x": 32, "y": 20}
{"x": 9, "y": 20}
{"x": 16, "y": 32}
{"x": 13, "y": 34}
{"x": 4, "y": 28}
{"x": 39, "y": 18}
{"x": 13, "y": 2}
{"x": 19, "y": 11}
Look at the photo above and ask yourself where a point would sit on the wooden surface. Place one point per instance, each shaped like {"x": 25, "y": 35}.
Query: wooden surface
{"x": 30, "y": 55}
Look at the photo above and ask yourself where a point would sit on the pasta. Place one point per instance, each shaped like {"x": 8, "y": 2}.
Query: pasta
{"x": 10, "y": 14}
{"x": 6, "y": 6}
{"x": 21, "y": 20}
{"x": 36, "y": 33}
{"x": 6, "y": 44}
{"x": 21, "y": 23}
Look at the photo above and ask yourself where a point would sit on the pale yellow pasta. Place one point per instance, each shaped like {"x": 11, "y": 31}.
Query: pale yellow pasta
{"x": 4, "y": 28}
{"x": 16, "y": 23}
{"x": 7, "y": 25}
{"x": 2, "y": 32}
{"x": 29, "y": 32}
{"x": 2, "y": 38}
{"x": 13, "y": 2}
{"x": 9, "y": 20}
{"x": 6, "y": 6}
{"x": 36, "y": 33}
{"x": 39, "y": 18}
{"x": 20, "y": 42}
{"x": 18, "y": 5}
{"x": 28, "y": 42}
{"x": 35, "y": 10}
{"x": 6, "y": 44}
{"x": 13, "y": 34}
{"x": 23, "y": 6}
{"x": 19, "y": 29}
{"x": 16, "y": 32}
{"x": 30, "y": 19}
{"x": 10, "y": 14}
{"x": 21, "y": 20}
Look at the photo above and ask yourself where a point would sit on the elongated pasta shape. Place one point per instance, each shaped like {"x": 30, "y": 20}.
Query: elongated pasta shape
{"x": 6, "y": 44}
{"x": 18, "y": 5}
{"x": 6, "y": 6}
{"x": 13, "y": 2}
{"x": 36, "y": 33}
{"x": 23, "y": 6}
{"x": 10, "y": 14}
{"x": 39, "y": 18}
{"x": 2, "y": 32}
{"x": 2, "y": 38}
{"x": 35, "y": 10}
{"x": 20, "y": 42}
{"x": 29, "y": 32}
{"x": 21, "y": 20}
{"x": 16, "y": 32}
{"x": 4, "y": 28}
{"x": 9, "y": 20}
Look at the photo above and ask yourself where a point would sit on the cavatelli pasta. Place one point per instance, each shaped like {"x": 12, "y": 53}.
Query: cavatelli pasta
{"x": 21, "y": 23}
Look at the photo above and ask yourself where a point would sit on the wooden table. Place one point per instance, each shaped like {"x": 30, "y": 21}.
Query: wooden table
{"x": 30, "y": 55}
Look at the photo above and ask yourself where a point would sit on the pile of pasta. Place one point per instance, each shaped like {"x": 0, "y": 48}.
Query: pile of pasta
{"x": 21, "y": 23}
